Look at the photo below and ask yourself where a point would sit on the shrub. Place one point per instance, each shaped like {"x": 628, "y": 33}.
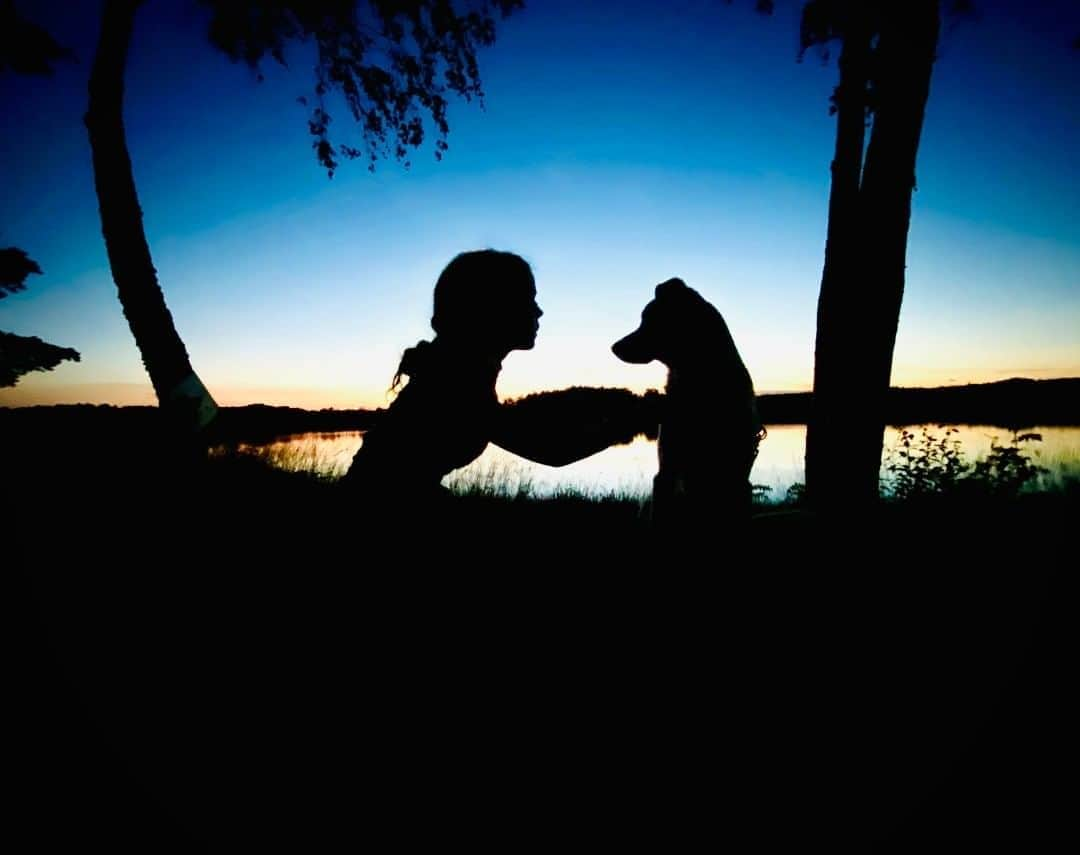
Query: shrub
{"x": 924, "y": 466}
{"x": 933, "y": 465}
{"x": 1007, "y": 469}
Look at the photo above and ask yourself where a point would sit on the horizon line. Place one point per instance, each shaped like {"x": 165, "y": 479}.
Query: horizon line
{"x": 145, "y": 396}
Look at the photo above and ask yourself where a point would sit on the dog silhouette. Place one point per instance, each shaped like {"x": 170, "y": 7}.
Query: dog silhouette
{"x": 709, "y": 427}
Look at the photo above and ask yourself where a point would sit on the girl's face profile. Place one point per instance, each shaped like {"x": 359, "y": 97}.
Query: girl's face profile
{"x": 521, "y": 317}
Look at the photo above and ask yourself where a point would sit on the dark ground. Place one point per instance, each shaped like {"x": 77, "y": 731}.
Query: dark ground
{"x": 238, "y": 658}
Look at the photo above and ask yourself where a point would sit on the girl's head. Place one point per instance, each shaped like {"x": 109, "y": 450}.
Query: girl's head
{"x": 487, "y": 299}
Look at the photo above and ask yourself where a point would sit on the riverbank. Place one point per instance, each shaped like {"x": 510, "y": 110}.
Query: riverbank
{"x": 1014, "y": 403}
{"x": 234, "y": 652}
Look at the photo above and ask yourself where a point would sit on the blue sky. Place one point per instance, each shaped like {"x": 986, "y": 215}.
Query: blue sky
{"x": 619, "y": 144}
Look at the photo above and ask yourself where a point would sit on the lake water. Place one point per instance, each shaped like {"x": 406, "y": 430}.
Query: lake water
{"x": 629, "y": 469}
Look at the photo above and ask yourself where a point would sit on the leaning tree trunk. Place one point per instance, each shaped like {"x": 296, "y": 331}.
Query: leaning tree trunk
{"x": 904, "y": 61}
{"x": 835, "y": 358}
{"x": 863, "y": 280}
{"x": 180, "y": 393}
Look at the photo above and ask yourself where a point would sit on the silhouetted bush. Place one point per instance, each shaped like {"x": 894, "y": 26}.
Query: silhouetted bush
{"x": 934, "y": 465}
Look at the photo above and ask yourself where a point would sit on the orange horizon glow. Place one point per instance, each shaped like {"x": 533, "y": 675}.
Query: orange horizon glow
{"x": 31, "y": 391}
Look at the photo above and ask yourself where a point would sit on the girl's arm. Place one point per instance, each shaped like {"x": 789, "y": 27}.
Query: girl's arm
{"x": 556, "y": 428}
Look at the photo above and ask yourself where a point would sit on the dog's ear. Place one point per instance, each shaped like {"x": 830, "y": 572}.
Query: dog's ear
{"x": 670, "y": 287}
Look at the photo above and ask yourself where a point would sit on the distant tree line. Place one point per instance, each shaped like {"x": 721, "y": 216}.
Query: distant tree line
{"x": 1013, "y": 404}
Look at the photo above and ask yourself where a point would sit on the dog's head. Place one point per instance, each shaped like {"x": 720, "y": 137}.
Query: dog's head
{"x": 675, "y": 314}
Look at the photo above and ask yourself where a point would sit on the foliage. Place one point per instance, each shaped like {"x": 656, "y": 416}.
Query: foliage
{"x": 925, "y": 466}
{"x": 301, "y": 459}
{"x": 496, "y": 480}
{"x": 934, "y": 465}
{"x": 19, "y": 354}
{"x": 1007, "y": 469}
{"x": 825, "y": 21}
{"x": 796, "y": 494}
{"x": 393, "y": 61}
{"x": 26, "y": 48}
{"x": 15, "y": 266}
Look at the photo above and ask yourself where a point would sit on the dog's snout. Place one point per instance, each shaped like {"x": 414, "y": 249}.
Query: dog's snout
{"x": 632, "y": 349}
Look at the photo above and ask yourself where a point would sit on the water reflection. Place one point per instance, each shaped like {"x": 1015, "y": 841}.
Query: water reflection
{"x": 629, "y": 469}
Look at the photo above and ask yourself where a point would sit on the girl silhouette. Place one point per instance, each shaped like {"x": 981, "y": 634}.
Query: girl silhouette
{"x": 446, "y": 414}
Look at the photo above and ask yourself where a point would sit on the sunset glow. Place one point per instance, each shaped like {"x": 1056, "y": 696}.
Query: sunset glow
{"x": 682, "y": 140}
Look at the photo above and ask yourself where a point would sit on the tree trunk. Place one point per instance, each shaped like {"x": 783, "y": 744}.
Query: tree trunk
{"x": 180, "y": 393}
{"x": 859, "y": 308}
{"x": 834, "y": 397}
{"x": 905, "y": 59}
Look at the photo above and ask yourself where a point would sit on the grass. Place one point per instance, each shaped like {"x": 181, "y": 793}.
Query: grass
{"x": 923, "y": 464}
{"x": 304, "y": 458}
{"x": 926, "y": 463}
{"x": 500, "y": 480}
{"x": 246, "y": 606}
